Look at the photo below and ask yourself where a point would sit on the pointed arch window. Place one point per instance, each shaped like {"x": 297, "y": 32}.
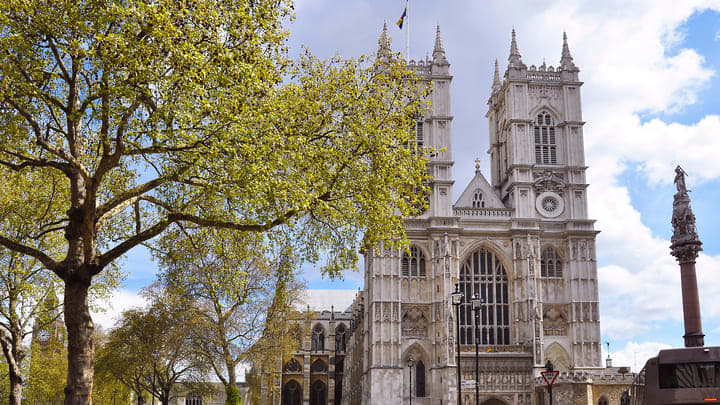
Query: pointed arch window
{"x": 318, "y": 393}
{"x": 340, "y": 336}
{"x": 413, "y": 265}
{"x": 318, "y": 338}
{"x": 550, "y": 264}
{"x": 292, "y": 393}
{"x": 545, "y": 139}
{"x": 483, "y": 274}
{"x": 420, "y": 379}
{"x": 603, "y": 401}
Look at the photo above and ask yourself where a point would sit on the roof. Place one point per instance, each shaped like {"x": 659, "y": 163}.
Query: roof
{"x": 320, "y": 300}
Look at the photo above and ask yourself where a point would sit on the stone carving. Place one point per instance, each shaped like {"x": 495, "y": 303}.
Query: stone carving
{"x": 414, "y": 323}
{"x": 548, "y": 181}
{"x": 685, "y": 242}
{"x": 555, "y": 321}
{"x": 680, "y": 180}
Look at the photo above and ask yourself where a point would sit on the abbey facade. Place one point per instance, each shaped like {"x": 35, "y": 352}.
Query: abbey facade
{"x": 518, "y": 239}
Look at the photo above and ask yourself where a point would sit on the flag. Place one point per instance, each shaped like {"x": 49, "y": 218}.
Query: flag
{"x": 402, "y": 17}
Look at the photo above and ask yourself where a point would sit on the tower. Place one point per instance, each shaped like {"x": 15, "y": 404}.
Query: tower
{"x": 405, "y": 313}
{"x": 538, "y": 171}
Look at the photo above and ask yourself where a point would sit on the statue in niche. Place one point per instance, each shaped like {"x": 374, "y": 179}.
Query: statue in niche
{"x": 517, "y": 250}
{"x": 583, "y": 250}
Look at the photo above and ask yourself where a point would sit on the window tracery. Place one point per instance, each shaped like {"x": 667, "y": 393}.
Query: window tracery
{"x": 340, "y": 336}
{"x": 318, "y": 338}
{"x": 413, "y": 265}
{"x": 550, "y": 264}
{"x": 545, "y": 139}
{"x": 318, "y": 393}
{"x": 483, "y": 274}
{"x": 292, "y": 393}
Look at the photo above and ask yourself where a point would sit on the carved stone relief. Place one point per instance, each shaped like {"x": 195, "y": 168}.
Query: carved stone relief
{"x": 555, "y": 320}
{"x": 414, "y": 322}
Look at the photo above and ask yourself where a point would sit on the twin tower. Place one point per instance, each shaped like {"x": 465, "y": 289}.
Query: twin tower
{"x": 520, "y": 240}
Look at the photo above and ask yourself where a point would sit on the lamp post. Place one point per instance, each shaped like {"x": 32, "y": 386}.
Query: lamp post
{"x": 549, "y": 367}
{"x": 457, "y": 297}
{"x": 410, "y": 364}
{"x": 477, "y": 306}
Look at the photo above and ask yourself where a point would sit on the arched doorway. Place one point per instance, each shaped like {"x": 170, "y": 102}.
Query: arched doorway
{"x": 292, "y": 393}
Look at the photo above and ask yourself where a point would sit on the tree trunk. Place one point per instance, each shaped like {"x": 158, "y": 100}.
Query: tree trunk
{"x": 15, "y": 389}
{"x": 81, "y": 351}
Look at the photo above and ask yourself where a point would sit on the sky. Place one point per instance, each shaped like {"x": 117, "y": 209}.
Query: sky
{"x": 651, "y": 100}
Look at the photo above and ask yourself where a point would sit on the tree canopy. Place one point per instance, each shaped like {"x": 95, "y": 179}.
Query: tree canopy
{"x": 149, "y": 114}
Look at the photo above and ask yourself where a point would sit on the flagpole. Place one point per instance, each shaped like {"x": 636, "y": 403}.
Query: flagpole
{"x": 407, "y": 33}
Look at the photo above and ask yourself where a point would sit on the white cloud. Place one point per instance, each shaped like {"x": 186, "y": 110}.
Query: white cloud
{"x": 634, "y": 354}
{"x": 120, "y": 301}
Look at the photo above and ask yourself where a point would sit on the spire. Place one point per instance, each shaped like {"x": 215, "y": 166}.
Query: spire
{"x": 384, "y": 42}
{"x": 496, "y": 78}
{"x": 514, "y": 58}
{"x": 566, "y": 60}
{"x": 439, "y": 50}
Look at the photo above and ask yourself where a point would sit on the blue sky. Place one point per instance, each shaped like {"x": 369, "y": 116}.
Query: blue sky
{"x": 651, "y": 100}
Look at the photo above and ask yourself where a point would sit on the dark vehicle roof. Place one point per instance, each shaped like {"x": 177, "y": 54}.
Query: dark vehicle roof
{"x": 689, "y": 355}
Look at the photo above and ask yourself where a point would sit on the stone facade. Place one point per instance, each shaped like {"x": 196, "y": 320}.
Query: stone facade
{"x": 521, "y": 242}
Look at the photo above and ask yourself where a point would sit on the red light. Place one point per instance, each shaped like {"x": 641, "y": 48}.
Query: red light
{"x": 710, "y": 399}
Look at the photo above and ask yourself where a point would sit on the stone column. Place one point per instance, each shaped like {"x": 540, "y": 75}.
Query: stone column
{"x": 685, "y": 247}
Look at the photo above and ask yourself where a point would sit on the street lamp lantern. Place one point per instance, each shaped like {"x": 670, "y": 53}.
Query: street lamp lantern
{"x": 410, "y": 364}
{"x": 456, "y": 298}
{"x": 477, "y": 303}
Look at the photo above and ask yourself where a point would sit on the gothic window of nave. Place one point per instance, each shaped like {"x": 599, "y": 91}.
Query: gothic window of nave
{"x": 550, "y": 264}
{"x": 420, "y": 379}
{"x": 545, "y": 139}
{"x": 484, "y": 275}
{"x": 318, "y": 338}
{"x": 340, "y": 333}
{"x": 318, "y": 393}
{"x": 413, "y": 265}
{"x": 292, "y": 393}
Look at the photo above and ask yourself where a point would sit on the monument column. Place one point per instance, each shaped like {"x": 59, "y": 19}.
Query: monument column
{"x": 685, "y": 247}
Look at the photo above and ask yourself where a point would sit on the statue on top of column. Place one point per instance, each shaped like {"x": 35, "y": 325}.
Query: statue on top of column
{"x": 680, "y": 180}
{"x": 685, "y": 241}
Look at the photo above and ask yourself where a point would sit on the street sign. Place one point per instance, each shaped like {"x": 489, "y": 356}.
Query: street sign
{"x": 549, "y": 377}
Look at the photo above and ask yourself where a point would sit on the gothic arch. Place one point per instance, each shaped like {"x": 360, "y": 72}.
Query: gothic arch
{"x": 318, "y": 336}
{"x": 422, "y": 261}
{"x": 494, "y": 401}
{"x": 558, "y": 356}
{"x": 485, "y": 273}
{"x": 341, "y": 335}
{"x": 545, "y": 106}
{"x": 492, "y": 246}
{"x": 421, "y": 366}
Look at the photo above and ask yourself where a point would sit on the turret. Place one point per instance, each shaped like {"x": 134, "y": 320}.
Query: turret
{"x": 438, "y": 50}
{"x": 384, "y": 43}
{"x": 496, "y": 78}
{"x": 567, "y": 66}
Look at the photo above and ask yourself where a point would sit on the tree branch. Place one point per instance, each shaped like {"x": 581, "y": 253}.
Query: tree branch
{"x": 46, "y": 260}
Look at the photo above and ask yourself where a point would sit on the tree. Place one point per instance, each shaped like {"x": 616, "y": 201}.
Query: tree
{"x": 151, "y": 350}
{"x": 177, "y": 112}
{"x": 231, "y": 285}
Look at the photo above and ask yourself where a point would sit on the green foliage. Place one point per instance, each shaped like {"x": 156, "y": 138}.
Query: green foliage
{"x": 48, "y": 370}
{"x": 232, "y": 395}
{"x": 131, "y": 116}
